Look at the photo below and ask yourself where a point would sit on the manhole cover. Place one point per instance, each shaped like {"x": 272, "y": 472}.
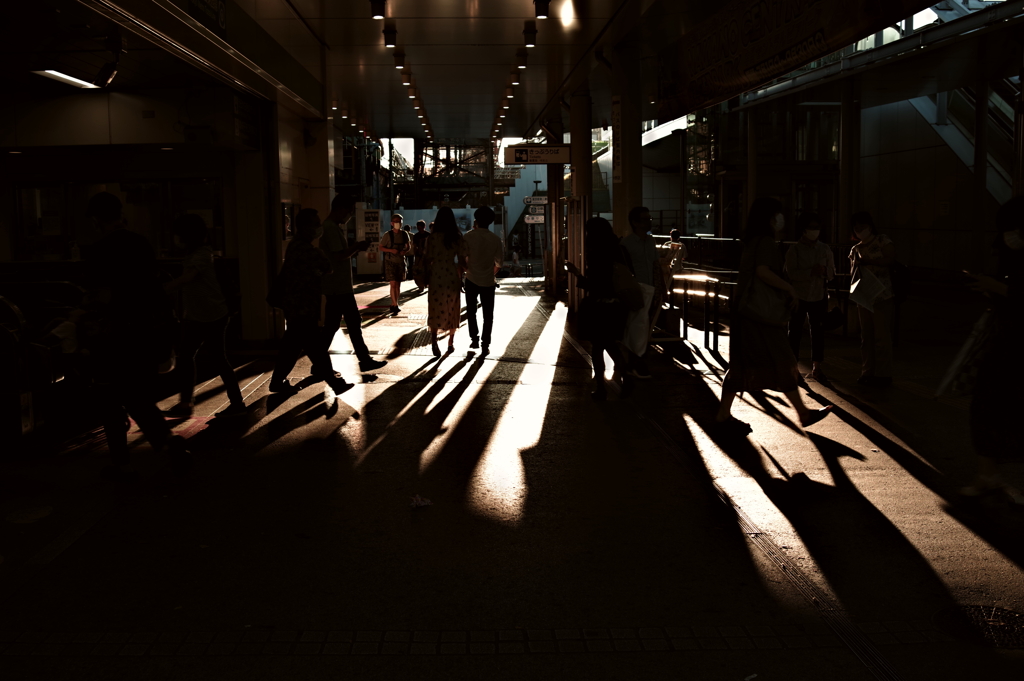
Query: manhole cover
{"x": 984, "y": 625}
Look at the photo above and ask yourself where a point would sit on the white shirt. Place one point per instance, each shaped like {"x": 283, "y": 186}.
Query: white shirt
{"x": 486, "y": 251}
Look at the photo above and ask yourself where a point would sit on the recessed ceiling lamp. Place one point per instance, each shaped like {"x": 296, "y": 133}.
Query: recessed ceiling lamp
{"x": 406, "y": 77}
{"x": 540, "y": 8}
{"x": 66, "y": 79}
{"x": 515, "y": 76}
{"x": 521, "y": 58}
{"x": 530, "y": 34}
{"x": 510, "y": 93}
{"x": 399, "y": 60}
{"x": 390, "y": 36}
{"x": 377, "y": 8}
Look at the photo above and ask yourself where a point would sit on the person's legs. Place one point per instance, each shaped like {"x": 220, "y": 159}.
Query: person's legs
{"x": 396, "y": 288}
{"x": 219, "y": 331}
{"x": 796, "y": 328}
{"x": 867, "y": 341}
{"x": 354, "y": 325}
{"x": 472, "y": 291}
{"x": 487, "y": 303}
{"x": 333, "y": 312}
{"x": 190, "y": 339}
{"x": 289, "y": 351}
{"x": 816, "y": 313}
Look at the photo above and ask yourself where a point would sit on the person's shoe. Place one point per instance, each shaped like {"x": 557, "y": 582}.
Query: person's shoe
{"x": 371, "y": 364}
{"x": 338, "y": 384}
{"x": 235, "y": 409}
{"x": 436, "y": 350}
{"x": 285, "y": 387}
{"x": 485, "y": 350}
{"x": 395, "y": 309}
{"x": 118, "y": 474}
{"x": 180, "y": 410}
{"x": 815, "y": 415}
{"x": 733, "y": 426}
{"x": 474, "y": 344}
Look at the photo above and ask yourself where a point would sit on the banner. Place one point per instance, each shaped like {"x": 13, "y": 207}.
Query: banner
{"x": 750, "y": 42}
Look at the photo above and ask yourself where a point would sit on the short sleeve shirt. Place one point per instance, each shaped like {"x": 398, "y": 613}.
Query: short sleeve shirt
{"x": 642, "y": 253}
{"x": 485, "y": 253}
{"x": 334, "y": 242}
{"x": 398, "y": 241}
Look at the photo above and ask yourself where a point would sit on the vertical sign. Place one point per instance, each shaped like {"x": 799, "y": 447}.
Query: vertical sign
{"x": 616, "y": 139}
{"x": 368, "y": 227}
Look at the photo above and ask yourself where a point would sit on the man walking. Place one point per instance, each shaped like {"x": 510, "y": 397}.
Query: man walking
{"x": 486, "y": 253}
{"x": 643, "y": 256}
{"x": 337, "y": 284}
{"x": 394, "y": 245}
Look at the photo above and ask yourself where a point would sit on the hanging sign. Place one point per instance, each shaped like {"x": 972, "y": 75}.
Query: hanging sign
{"x": 534, "y": 219}
{"x": 536, "y": 210}
{"x": 537, "y": 153}
{"x": 537, "y": 200}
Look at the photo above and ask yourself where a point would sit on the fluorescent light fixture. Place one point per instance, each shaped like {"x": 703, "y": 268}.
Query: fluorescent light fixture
{"x": 541, "y": 8}
{"x": 530, "y": 34}
{"x": 66, "y": 79}
{"x": 377, "y": 8}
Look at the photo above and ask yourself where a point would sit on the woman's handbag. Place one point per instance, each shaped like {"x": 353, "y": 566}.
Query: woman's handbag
{"x": 765, "y": 304}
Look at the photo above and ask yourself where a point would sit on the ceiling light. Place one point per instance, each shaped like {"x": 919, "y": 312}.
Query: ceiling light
{"x": 377, "y": 8}
{"x": 530, "y": 33}
{"x": 504, "y": 104}
{"x": 63, "y": 78}
{"x": 521, "y": 58}
{"x": 166, "y": 148}
{"x": 419, "y": 115}
{"x": 399, "y": 60}
{"x": 13, "y": 152}
{"x": 509, "y": 93}
{"x": 390, "y": 36}
{"x": 499, "y": 122}
{"x": 416, "y": 104}
{"x": 501, "y": 114}
{"x": 515, "y": 76}
{"x": 412, "y": 93}
{"x": 540, "y": 8}
{"x": 406, "y": 77}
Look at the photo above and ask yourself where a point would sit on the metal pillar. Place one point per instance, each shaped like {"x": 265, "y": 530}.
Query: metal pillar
{"x": 627, "y": 168}
{"x": 849, "y": 160}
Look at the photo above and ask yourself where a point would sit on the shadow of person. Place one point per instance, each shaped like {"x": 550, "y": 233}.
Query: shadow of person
{"x": 410, "y": 340}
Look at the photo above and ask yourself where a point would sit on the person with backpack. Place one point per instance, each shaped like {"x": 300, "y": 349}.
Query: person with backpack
{"x": 394, "y": 245}
{"x": 873, "y": 257}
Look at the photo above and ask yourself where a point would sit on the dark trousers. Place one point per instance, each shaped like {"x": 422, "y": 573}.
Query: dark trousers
{"x": 343, "y": 305}
{"x": 814, "y": 312}
{"x": 302, "y": 336}
{"x": 125, "y": 388}
{"x": 486, "y": 295}
{"x": 212, "y": 334}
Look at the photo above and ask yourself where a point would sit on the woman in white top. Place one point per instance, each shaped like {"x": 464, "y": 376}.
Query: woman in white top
{"x": 874, "y": 255}
{"x": 809, "y": 265}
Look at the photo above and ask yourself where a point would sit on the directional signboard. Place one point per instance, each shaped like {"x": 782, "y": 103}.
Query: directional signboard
{"x": 537, "y": 153}
{"x": 534, "y": 219}
{"x": 535, "y": 200}
{"x": 536, "y": 210}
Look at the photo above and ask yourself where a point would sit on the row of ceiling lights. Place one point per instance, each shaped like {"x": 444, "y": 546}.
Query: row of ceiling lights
{"x": 377, "y": 8}
{"x": 529, "y": 40}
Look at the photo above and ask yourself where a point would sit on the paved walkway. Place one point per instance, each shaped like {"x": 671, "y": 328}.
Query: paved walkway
{"x": 563, "y": 539}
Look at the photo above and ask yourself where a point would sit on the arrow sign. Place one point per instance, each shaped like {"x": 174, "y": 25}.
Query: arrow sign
{"x": 534, "y": 219}
{"x": 538, "y": 153}
{"x": 535, "y": 200}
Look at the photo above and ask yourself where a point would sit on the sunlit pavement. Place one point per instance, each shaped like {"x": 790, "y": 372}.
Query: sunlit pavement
{"x": 563, "y": 539}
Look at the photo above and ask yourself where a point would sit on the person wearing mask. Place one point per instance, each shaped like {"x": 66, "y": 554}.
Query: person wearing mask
{"x": 485, "y": 255}
{"x": 446, "y": 259}
{"x": 419, "y": 247}
{"x": 642, "y": 255}
{"x": 205, "y": 319}
{"x": 809, "y": 266}
{"x": 394, "y": 245}
{"x": 299, "y": 290}
{"x": 996, "y": 404}
{"x": 759, "y": 355}
{"x": 874, "y": 253}
{"x": 130, "y": 338}
{"x": 337, "y": 284}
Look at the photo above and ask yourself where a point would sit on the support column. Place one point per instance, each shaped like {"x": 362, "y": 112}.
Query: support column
{"x": 979, "y": 226}
{"x": 684, "y": 172}
{"x": 1018, "y": 140}
{"x": 489, "y": 149}
{"x": 751, "y": 160}
{"x": 553, "y": 257}
{"x": 627, "y": 168}
{"x": 849, "y": 160}
{"x": 580, "y": 126}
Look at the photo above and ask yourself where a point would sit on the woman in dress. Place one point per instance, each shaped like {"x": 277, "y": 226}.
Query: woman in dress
{"x": 760, "y": 357}
{"x": 874, "y": 253}
{"x": 602, "y": 316}
{"x": 446, "y": 262}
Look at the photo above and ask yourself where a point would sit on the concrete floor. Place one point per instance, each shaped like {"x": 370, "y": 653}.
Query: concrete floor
{"x": 564, "y": 539}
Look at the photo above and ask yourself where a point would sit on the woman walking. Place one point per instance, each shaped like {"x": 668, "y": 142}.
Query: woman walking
{"x": 445, "y": 260}
{"x": 760, "y": 357}
{"x": 602, "y": 317}
{"x": 205, "y": 320}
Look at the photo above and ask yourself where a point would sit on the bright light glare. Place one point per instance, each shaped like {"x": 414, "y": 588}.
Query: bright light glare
{"x": 64, "y": 78}
{"x": 567, "y": 14}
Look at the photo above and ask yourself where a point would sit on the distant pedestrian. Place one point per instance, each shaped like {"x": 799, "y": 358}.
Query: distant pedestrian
{"x": 337, "y": 284}
{"x": 486, "y": 254}
{"x": 446, "y": 262}
{"x": 646, "y": 266}
{"x": 872, "y": 259}
{"x": 394, "y": 245}
{"x": 602, "y": 315}
{"x": 809, "y": 267}
{"x": 997, "y": 402}
{"x": 205, "y": 319}
{"x": 419, "y": 247}
{"x": 131, "y": 336}
{"x": 409, "y": 255}
{"x": 759, "y": 355}
{"x": 298, "y": 292}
